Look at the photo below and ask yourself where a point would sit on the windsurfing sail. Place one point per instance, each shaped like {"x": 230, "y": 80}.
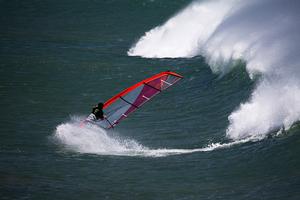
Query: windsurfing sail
{"x": 129, "y": 100}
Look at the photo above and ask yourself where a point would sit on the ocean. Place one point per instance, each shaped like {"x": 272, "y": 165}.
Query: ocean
{"x": 228, "y": 130}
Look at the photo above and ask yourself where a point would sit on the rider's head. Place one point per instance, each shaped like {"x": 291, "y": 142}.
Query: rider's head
{"x": 100, "y": 105}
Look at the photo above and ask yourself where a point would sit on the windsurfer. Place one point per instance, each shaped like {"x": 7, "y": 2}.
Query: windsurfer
{"x": 97, "y": 113}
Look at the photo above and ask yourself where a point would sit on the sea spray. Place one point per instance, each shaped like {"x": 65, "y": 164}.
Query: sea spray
{"x": 93, "y": 139}
{"x": 181, "y": 35}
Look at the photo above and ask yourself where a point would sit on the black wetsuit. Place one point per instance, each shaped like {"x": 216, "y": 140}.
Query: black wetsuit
{"x": 98, "y": 112}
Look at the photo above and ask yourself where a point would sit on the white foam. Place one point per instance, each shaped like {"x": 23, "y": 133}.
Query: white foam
{"x": 265, "y": 34}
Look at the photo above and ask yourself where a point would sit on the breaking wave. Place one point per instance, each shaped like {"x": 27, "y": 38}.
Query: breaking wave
{"x": 265, "y": 34}
{"x": 95, "y": 140}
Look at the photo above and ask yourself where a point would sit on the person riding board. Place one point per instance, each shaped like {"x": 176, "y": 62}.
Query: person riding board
{"x": 97, "y": 113}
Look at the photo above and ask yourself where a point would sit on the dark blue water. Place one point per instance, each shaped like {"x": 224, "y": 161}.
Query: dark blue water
{"x": 59, "y": 58}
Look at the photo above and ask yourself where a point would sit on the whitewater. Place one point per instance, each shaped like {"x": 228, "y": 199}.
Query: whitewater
{"x": 263, "y": 34}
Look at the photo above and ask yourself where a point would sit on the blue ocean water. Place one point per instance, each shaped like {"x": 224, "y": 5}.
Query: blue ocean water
{"x": 228, "y": 130}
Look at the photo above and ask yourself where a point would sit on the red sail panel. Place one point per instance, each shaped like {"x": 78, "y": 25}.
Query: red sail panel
{"x": 120, "y": 106}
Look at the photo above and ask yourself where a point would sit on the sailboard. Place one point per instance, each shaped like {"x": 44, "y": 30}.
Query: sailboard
{"x": 131, "y": 99}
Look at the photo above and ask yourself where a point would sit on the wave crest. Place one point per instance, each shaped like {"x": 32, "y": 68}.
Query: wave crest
{"x": 264, "y": 34}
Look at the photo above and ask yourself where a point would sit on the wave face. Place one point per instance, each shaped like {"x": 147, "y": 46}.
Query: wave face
{"x": 264, "y": 34}
{"x": 95, "y": 140}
